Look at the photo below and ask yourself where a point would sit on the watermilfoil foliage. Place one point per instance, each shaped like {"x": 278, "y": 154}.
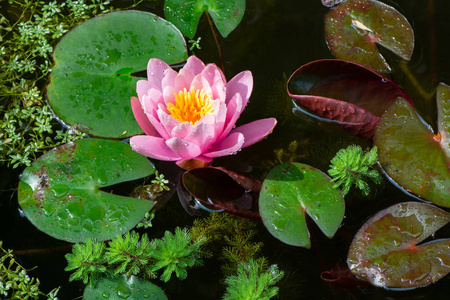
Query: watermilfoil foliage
{"x": 191, "y": 114}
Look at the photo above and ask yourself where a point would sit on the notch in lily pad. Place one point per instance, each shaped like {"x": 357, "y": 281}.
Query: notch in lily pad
{"x": 290, "y": 192}
{"x": 385, "y": 251}
{"x": 226, "y": 14}
{"x": 60, "y": 193}
{"x": 411, "y": 154}
{"x": 350, "y": 95}
{"x": 354, "y": 28}
{"x": 93, "y": 78}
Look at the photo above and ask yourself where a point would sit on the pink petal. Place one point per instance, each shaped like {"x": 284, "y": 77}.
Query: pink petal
{"x": 141, "y": 118}
{"x": 158, "y": 126}
{"x": 256, "y": 130}
{"x": 169, "y": 94}
{"x": 219, "y": 90}
{"x": 167, "y": 121}
{"x": 183, "y": 148}
{"x": 234, "y": 109}
{"x": 213, "y": 74}
{"x": 228, "y": 146}
{"x": 202, "y": 135}
{"x": 151, "y": 100}
{"x": 220, "y": 117}
{"x": 183, "y": 80}
{"x": 182, "y": 130}
{"x": 194, "y": 65}
{"x": 242, "y": 83}
{"x": 156, "y": 70}
{"x": 153, "y": 147}
{"x": 169, "y": 78}
{"x": 142, "y": 88}
{"x": 200, "y": 83}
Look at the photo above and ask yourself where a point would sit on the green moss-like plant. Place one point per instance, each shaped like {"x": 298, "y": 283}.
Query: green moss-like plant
{"x": 251, "y": 282}
{"x": 353, "y": 167}
{"x": 132, "y": 254}
{"x": 228, "y": 235}
{"x": 15, "y": 282}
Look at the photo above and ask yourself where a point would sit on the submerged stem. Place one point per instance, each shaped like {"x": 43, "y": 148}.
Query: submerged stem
{"x": 216, "y": 40}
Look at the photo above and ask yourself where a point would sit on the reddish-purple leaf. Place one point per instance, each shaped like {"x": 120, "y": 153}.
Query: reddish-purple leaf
{"x": 345, "y": 93}
{"x": 221, "y": 189}
{"x": 354, "y": 28}
{"x": 385, "y": 253}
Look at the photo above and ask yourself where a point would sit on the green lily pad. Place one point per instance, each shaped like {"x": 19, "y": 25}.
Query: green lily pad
{"x": 292, "y": 190}
{"x": 354, "y": 28}
{"x": 91, "y": 82}
{"x": 226, "y": 14}
{"x": 411, "y": 154}
{"x": 123, "y": 287}
{"x": 60, "y": 192}
{"x": 384, "y": 252}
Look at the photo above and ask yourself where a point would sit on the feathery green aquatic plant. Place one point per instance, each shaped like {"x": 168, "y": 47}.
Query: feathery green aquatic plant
{"x": 15, "y": 282}
{"x": 352, "y": 166}
{"x": 228, "y": 235}
{"x": 251, "y": 282}
{"x": 134, "y": 254}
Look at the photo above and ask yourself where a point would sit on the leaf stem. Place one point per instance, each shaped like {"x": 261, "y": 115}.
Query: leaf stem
{"x": 216, "y": 40}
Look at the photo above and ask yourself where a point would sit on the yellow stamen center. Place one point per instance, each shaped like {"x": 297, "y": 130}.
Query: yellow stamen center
{"x": 190, "y": 106}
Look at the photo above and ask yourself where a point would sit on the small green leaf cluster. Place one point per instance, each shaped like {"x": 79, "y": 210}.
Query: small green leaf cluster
{"x": 353, "y": 166}
{"x": 229, "y": 235}
{"x": 252, "y": 282}
{"x": 26, "y": 44}
{"x": 133, "y": 254}
{"x": 14, "y": 281}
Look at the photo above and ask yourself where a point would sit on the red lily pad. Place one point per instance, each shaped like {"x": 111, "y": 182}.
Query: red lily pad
{"x": 411, "y": 154}
{"x": 343, "y": 92}
{"x": 385, "y": 253}
{"x": 220, "y": 189}
{"x": 354, "y": 28}
{"x": 292, "y": 190}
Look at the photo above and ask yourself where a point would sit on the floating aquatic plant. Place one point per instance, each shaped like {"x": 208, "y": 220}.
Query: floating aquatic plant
{"x": 352, "y": 167}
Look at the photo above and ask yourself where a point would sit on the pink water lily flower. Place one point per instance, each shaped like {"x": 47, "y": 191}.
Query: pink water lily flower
{"x": 191, "y": 114}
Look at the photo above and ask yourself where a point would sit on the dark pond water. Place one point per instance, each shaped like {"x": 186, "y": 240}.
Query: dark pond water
{"x": 274, "y": 39}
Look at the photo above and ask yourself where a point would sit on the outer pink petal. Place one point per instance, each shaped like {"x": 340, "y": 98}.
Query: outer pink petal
{"x": 213, "y": 74}
{"x": 156, "y": 70}
{"x": 194, "y": 65}
{"x": 256, "y": 130}
{"x": 153, "y": 147}
{"x": 202, "y": 135}
{"x": 199, "y": 83}
{"x": 141, "y": 118}
{"x": 151, "y": 100}
{"x": 183, "y": 148}
{"x": 158, "y": 126}
{"x": 228, "y": 146}
{"x": 242, "y": 83}
{"x": 234, "y": 109}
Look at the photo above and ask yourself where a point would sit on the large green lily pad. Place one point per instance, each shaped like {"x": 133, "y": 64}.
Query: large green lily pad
{"x": 123, "y": 287}
{"x": 354, "y": 28}
{"x": 411, "y": 154}
{"x": 292, "y": 190}
{"x": 226, "y": 14}
{"x": 60, "y": 192}
{"x": 385, "y": 253}
{"x": 91, "y": 82}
